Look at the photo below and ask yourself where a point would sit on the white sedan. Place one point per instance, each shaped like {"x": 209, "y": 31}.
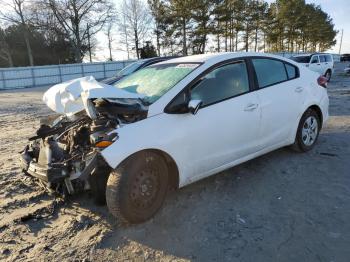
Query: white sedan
{"x": 173, "y": 123}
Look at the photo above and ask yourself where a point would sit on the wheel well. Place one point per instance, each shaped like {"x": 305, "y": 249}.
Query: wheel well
{"x": 172, "y": 167}
{"x": 318, "y": 112}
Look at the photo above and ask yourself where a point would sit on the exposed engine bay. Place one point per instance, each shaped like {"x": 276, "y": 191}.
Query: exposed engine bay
{"x": 64, "y": 153}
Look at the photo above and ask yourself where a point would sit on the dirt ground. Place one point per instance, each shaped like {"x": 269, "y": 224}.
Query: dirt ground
{"x": 282, "y": 206}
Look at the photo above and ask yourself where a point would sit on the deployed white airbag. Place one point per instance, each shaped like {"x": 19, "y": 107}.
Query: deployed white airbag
{"x": 67, "y": 97}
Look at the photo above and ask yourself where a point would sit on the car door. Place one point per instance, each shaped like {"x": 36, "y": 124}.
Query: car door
{"x": 226, "y": 126}
{"x": 281, "y": 95}
{"x": 329, "y": 62}
{"x": 323, "y": 63}
{"x": 315, "y": 64}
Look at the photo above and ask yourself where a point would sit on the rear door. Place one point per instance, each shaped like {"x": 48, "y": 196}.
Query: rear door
{"x": 315, "y": 64}
{"x": 324, "y": 64}
{"x": 280, "y": 95}
{"x": 329, "y": 62}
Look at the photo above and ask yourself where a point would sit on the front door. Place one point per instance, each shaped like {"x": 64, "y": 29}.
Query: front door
{"x": 225, "y": 128}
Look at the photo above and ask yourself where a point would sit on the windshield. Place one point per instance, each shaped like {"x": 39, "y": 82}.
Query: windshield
{"x": 129, "y": 69}
{"x": 154, "y": 81}
{"x": 301, "y": 59}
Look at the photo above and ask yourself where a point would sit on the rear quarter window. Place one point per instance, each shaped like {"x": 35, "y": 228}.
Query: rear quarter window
{"x": 292, "y": 71}
{"x": 269, "y": 71}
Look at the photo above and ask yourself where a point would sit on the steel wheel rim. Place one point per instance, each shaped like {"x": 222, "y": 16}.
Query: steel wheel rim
{"x": 145, "y": 188}
{"x": 309, "y": 131}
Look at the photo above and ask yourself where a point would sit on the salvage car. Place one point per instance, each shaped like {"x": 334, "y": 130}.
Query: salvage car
{"x": 171, "y": 124}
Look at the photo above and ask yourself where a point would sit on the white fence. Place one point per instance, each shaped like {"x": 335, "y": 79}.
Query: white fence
{"x": 21, "y": 77}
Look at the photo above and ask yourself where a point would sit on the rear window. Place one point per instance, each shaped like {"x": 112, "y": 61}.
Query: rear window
{"x": 269, "y": 71}
{"x": 301, "y": 59}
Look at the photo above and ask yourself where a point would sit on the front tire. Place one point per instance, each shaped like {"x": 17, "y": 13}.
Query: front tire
{"x": 136, "y": 190}
{"x": 308, "y": 131}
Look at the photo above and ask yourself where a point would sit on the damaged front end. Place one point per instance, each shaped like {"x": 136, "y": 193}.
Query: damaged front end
{"x": 64, "y": 155}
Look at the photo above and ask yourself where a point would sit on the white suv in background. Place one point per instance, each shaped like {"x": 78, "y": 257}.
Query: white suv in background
{"x": 320, "y": 63}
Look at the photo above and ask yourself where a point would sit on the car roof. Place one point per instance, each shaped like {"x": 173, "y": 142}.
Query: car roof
{"x": 160, "y": 58}
{"x": 301, "y": 55}
{"x": 217, "y": 57}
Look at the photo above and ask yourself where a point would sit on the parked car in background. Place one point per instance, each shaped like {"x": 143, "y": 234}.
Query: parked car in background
{"x": 319, "y": 62}
{"x": 345, "y": 58}
{"x": 347, "y": 69}
{"x": 173, "y": 123}
{"x": 142, "y": 63}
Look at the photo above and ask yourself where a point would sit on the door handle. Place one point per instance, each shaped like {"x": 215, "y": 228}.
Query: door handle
{"x": 299, "y": 89}
{"x": 251, "y": 107}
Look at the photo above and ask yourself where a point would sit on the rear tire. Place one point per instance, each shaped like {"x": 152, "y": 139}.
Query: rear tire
{"x": 308, "y": 131}
{"x": 137, "y": 188}
{"x": 328, "y": 75}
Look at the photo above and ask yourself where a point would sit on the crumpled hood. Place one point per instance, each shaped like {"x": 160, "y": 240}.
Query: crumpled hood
{"x": 67, "y": 97}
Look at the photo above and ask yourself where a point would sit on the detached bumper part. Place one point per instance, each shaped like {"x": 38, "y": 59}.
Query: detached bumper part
{"x": 43, "y": 172}
{"x": 47, "y": 174}
{"x": 58, "y": 173}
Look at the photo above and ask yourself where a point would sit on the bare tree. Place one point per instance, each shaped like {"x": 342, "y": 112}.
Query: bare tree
{"x": 135, "y": 22}
{"x": 13, "y": 12}
{"x": 109, "y": 33}
{"x": 5, "y": 52}
{"x": 124, "y": 32}
{"x": 80, "y": 19}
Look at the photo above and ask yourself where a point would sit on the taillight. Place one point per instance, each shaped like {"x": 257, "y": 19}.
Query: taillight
{"x": 322, "y": 81}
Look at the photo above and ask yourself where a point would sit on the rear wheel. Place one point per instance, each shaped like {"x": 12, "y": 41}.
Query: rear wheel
{"x": 328, "y": 75}
{"x": 308, "y": 131}
{"x": 136, "y": 190}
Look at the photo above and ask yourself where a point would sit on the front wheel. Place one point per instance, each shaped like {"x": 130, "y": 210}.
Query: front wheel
{"x": 308, "y": 131}
{"x": 136, "y": 190}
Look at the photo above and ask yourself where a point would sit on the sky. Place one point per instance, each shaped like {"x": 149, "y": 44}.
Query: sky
{"x": 339, "y": 11}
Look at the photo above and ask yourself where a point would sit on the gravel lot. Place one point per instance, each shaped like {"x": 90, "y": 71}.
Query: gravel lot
{"x": 282, "y": 206}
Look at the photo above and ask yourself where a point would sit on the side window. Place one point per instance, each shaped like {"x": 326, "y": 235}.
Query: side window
{"x": 314, "y": 60}
{"x": 222, "y": 83}
{"x": 328, "y": 58}
{"x": 322, "y": 58}
{"x": 269, "y": 71}
{"x": 292, "y": 71}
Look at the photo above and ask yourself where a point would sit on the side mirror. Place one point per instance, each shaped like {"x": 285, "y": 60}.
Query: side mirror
{"x": 194, "y": 105}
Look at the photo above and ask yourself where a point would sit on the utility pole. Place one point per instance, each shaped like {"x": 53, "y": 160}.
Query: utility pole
{"x": 341, "y": 40}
